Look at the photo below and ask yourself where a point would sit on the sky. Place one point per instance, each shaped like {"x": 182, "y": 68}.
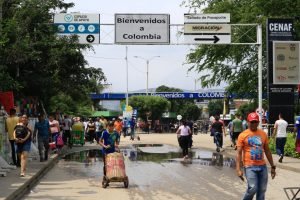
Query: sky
{"x": 167, "y": 69}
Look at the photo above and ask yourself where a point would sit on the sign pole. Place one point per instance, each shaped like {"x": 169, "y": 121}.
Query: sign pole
{"x": 259, "y": 42}
{"x": 126, "y": 58}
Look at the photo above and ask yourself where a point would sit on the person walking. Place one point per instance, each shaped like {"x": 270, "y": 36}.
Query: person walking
{"x": 280, "y": 136}
{"x": 42, "y": 127}
{"x": 22, "y": 137}
{"x": 67, "y": 124}
{"x": 55, "y": 128}
{"x": 183, "y": 135}
{"x": 252, "y": 144}
{"x": 218, "y": 131}
{"x": 10, "y": 125}
{"x": 237, "y": 128}
{"x": 90, "y": 129}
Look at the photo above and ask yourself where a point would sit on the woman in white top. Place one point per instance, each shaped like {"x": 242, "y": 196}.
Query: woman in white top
{"x": 183, "y": 133}
{"x": 280, "y": 134}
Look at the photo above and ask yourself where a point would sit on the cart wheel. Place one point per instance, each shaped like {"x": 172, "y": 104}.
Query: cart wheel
{"x": 126, "y": 182}
{"x": 104, "y": 182}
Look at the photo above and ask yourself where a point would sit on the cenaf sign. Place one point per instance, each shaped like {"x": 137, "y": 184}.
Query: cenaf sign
{"x": 168, "y": 95}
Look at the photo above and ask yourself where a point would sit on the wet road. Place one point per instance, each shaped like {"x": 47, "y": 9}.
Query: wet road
{"x": 155, "y": 172}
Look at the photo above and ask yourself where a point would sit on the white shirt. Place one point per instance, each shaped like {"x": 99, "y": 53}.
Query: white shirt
{"x": 184, "y": 130}
{"x": 281, "y": 128}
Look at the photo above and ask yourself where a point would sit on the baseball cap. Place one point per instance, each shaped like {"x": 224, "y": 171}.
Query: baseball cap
{"x": 253, "y": 117}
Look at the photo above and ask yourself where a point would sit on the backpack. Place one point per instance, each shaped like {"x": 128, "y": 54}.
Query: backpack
{"x": 21, "y": 131}
{"x": 59, "y": 140}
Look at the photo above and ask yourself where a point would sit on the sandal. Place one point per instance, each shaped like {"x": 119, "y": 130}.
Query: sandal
{"x": 22, "y": 175}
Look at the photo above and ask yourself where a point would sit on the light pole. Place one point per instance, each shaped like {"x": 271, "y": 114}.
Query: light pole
{"x": 147, "y": 73}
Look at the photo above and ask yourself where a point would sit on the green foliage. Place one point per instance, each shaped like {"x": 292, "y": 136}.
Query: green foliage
{"x": 68, "y": 105}
{"x": 190, "y": 111}
{"x": 179, "y": 106}
{"x": 237, "y": 64}
{"x": 153, "y": 104}
{"x": 247, "y": 108}
{"x": 215, "y": 107}
{"x": 289, "y": 149}
{"x": 36, "y": 61}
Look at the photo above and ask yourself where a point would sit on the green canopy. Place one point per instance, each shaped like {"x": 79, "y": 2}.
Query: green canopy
{"x": 106, "y": 114}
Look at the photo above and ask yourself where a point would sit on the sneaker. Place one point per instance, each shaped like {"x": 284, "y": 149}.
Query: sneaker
{"x": 280, "y": 159}
{"x": 218, "y": 149}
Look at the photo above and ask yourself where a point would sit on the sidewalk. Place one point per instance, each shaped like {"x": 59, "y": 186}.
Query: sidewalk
{"x": 13, "y": 187}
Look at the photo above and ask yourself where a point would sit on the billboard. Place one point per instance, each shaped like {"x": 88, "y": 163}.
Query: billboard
{"x": 142, "y": 28}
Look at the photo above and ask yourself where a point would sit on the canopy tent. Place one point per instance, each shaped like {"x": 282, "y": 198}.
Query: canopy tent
{"x": 106, "y": 114}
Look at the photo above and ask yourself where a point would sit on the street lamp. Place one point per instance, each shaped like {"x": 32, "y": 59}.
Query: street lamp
{"x": 147, "y": 62}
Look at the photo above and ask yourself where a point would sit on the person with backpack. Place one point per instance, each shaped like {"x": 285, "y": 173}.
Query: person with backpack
{"x": 22, "y": 137}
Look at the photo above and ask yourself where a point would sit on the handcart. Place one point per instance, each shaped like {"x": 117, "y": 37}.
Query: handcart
{"x": 115, "y": 169}
{"x": 77, "y": 137}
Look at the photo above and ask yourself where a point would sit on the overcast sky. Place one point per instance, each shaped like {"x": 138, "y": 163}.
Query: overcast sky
{"x": 168, "y": 69}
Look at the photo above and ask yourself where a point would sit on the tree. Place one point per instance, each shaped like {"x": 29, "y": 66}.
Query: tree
{"x": 215, "y": 107}
{"x": 154, "y": 105}
{"x": 191, "y": 112}
{"x": 37, "y": 61}
{"x": 216, "y": 62}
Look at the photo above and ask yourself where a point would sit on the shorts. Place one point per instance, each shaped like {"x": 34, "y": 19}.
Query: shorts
{"x": 24, "y": 146}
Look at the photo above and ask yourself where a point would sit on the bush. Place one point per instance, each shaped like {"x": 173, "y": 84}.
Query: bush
{"x": 289, "y": 149}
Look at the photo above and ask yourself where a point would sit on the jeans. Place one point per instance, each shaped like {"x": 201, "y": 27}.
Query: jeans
{"x": 257, "y": 179}
{"x": 280, "y": 142}
{"x": 15, "y": 158}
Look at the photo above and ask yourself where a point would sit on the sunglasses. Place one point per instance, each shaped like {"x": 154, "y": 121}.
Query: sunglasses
{"x": 254, "y": 122}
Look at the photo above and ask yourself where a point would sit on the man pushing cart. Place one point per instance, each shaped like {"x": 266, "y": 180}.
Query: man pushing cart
{"x": 114, "y": 167}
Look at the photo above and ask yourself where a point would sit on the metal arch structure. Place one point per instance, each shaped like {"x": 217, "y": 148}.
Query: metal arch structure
{"x": 241, "y": 34}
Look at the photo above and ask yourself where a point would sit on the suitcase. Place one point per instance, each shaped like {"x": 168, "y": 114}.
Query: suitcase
{"x": 115, "y": 169}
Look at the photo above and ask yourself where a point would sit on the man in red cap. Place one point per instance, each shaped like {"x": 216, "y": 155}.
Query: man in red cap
{"x": 251, "y": 146}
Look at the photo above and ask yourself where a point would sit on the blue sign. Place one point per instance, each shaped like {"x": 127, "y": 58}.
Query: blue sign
{"x": 167, "y": 95}
{"x": 66, "y": 28}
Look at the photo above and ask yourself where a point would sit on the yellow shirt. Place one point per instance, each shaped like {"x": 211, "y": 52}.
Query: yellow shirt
{"x": 11, "y": 123}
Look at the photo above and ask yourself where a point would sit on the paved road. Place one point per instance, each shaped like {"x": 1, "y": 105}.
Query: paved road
{"x": 152, "y": 176}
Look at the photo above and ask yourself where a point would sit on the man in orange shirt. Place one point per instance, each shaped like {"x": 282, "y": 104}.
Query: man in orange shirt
{"x": 118, "y": 125}
{"x": 252, "y": 144}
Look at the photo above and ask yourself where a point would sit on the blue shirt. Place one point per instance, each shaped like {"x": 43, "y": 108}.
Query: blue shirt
{"x": 43, "y": 128}
{"x": 110, "y": 139}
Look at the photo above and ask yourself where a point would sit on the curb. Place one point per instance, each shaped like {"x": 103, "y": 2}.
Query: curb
{"x": 29, "y": 184}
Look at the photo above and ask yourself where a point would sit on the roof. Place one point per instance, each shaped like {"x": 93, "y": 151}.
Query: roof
{"x": 106, "y": 114}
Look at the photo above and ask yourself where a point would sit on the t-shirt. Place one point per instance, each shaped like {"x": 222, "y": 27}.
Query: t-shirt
{"x": 217, "y": 126}
{"x": 118, "y": 126}
{"x": 281, "y": 128}
{"x": 54, "y": 126}
{"x": 253, "y": 144}
{"x": 237, "y": 125}
{"x": 67, "y": 124}
{"x": 110, "y": 139}
{"x": 42, "y": 128}
{"x": 184, "y": 130}
{"x": 11, "y": 123}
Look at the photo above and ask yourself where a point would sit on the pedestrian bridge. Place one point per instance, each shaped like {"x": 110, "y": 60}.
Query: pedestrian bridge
{"x": 168, "y": 95}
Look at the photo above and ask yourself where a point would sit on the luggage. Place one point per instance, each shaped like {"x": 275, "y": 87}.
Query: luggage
{"x": 115, "y": 169}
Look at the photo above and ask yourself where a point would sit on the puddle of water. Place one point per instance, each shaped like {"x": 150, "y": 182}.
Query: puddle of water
{"x": 201, "y": 157}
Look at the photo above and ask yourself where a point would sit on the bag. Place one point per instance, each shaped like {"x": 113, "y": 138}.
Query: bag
{"x": 20, "y": 131}
{"x": 59, "y": 140}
